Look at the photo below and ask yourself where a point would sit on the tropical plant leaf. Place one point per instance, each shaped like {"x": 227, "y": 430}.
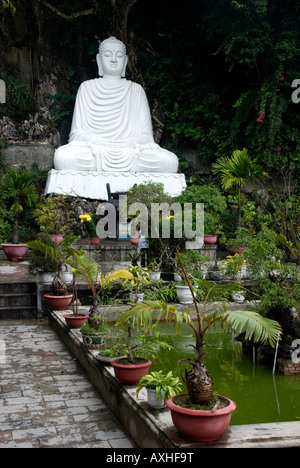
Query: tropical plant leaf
{"x": 254, "y": 326}
{"x": 147, "y": 314}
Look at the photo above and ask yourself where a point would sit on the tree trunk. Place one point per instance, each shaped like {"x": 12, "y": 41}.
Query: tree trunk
{"x": 130, "y": 356}
{"x": 16, "y": 230}
{"x": 198, "y": 380}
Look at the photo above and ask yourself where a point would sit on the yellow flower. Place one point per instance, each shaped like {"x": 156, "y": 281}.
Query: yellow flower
{"x": 85, "y": 217}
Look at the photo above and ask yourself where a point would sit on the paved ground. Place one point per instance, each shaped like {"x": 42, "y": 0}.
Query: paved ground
{"x": 46, "y": 399}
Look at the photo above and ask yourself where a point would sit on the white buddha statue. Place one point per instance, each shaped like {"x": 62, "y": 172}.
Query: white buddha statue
{"x": 111, "y": 128}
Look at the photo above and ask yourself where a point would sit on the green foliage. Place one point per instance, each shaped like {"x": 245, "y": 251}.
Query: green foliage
{"x": 165, "y": 385}
{"x": 147, "y": 193}
{"x": 161, "y": 291}
{"x": 212, "y": 198}
{"x": 53, "y": 216}
{"x": 95, "y": 324}
{"x": 17, "y": 186}
{"x": 62, "y": 105}
{"x": 19, "y": 99}
{"x": 39, "y": 261}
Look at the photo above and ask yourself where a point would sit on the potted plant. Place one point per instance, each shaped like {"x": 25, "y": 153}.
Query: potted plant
{"x": 40, "y": 263}
{"x": 131, "y": 368}
{"x": 138, "y": 282}
{"x": 154, "y": 269}
{"x": 212, "y": 228}
{"x": 89, "y": 222}
{"x": 82, "y": 265}
{"x": 61, "y": 253}
{"x": 17, "y": 185}
{"x": 215, "y": 273}
{"x": 159, "y": 387}
{"x": 193, "y": 261}
{"x": 210, "y": 423}
{"x": 93, "y": 331}
{"x": 53, "y": 217}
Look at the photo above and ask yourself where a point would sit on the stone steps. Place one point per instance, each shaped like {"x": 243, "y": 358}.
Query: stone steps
{"x": 18, "y": 300}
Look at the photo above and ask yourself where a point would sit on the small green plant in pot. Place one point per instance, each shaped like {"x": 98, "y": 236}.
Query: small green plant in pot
{"x": 159, "y": 387}
{"x": 94, "y": 331}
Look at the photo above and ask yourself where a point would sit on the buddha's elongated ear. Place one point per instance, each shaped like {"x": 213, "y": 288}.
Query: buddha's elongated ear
{"x": 124, "y": 68}
{"x": 99, "y": 63}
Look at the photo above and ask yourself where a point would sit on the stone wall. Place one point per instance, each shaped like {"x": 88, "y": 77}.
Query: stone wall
{"x": 288, "y": 367}
{"x": 27, "y": 154}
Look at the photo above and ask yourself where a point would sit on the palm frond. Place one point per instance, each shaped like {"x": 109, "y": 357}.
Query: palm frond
{"x": 254, "y": 326}
{"x": 212, "y": 292}
{"x": 147, "y": 314}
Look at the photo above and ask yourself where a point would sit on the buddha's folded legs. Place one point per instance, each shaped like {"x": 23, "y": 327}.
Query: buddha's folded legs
{"x": 156, "y": 160}
{"x": 84, "y": 158}
{"x": 74, "y": 158}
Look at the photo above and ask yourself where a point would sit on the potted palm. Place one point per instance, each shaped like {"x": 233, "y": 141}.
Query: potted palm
{"x": 40, "y": 264}
{"x": 82, "y": 265}
{"x": 61, "y": 253}
{"x": 210, "y": 423}
{"x": 131, "y": 368}
{"x": 18, "y": 186}
{"x": 160, "y": 387}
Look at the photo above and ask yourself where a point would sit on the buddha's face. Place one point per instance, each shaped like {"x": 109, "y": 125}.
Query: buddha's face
{"x": 112, "y": 61}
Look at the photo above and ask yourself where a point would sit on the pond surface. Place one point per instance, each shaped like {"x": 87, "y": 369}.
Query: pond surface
{"x": 260, "y": 396}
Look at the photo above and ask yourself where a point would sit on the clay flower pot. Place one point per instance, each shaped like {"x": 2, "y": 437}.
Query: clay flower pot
{"x": 95, "y": 241}
{"x": 201, "y": 425}
{"x": 134, "y": 240}
{"x": 57, "y": 238}
{"x": 210, "y": 239}
{"x": 58, "y": 302}
{"x": 130, "y": 374}
{"x": 75, "y": 321}
{"x": 15, "y": 252}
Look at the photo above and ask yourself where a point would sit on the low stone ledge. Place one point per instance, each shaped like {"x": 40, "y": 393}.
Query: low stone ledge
{"x": 154, "y": 429}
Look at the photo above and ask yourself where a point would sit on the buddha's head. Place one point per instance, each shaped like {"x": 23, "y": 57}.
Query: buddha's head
{"x": 112, "y": 58}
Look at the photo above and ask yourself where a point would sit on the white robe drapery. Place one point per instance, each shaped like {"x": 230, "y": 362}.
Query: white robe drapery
{"x": 113, "y": 118}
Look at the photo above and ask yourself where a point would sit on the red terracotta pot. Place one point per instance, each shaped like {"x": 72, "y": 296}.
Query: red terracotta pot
{"x": 201, "y": 425}
{"x": 238, "y": 250}
{"x": 130, "y": 374}
{"x": 134, "y": 240}
{"x": 75, "y": 321}
{"x": 210, "y": 239}
{"x": 95, "y": 241}
{"x": 58, "y": 302}
{"x": 57, "y": 238}
{"x": 15, "y": 251}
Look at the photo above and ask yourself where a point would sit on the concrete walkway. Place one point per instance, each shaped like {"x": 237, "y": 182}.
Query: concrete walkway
{"x": 46, "y": 399}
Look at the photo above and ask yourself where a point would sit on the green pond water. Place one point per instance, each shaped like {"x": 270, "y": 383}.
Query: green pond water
{"x": 260, "y": 396}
